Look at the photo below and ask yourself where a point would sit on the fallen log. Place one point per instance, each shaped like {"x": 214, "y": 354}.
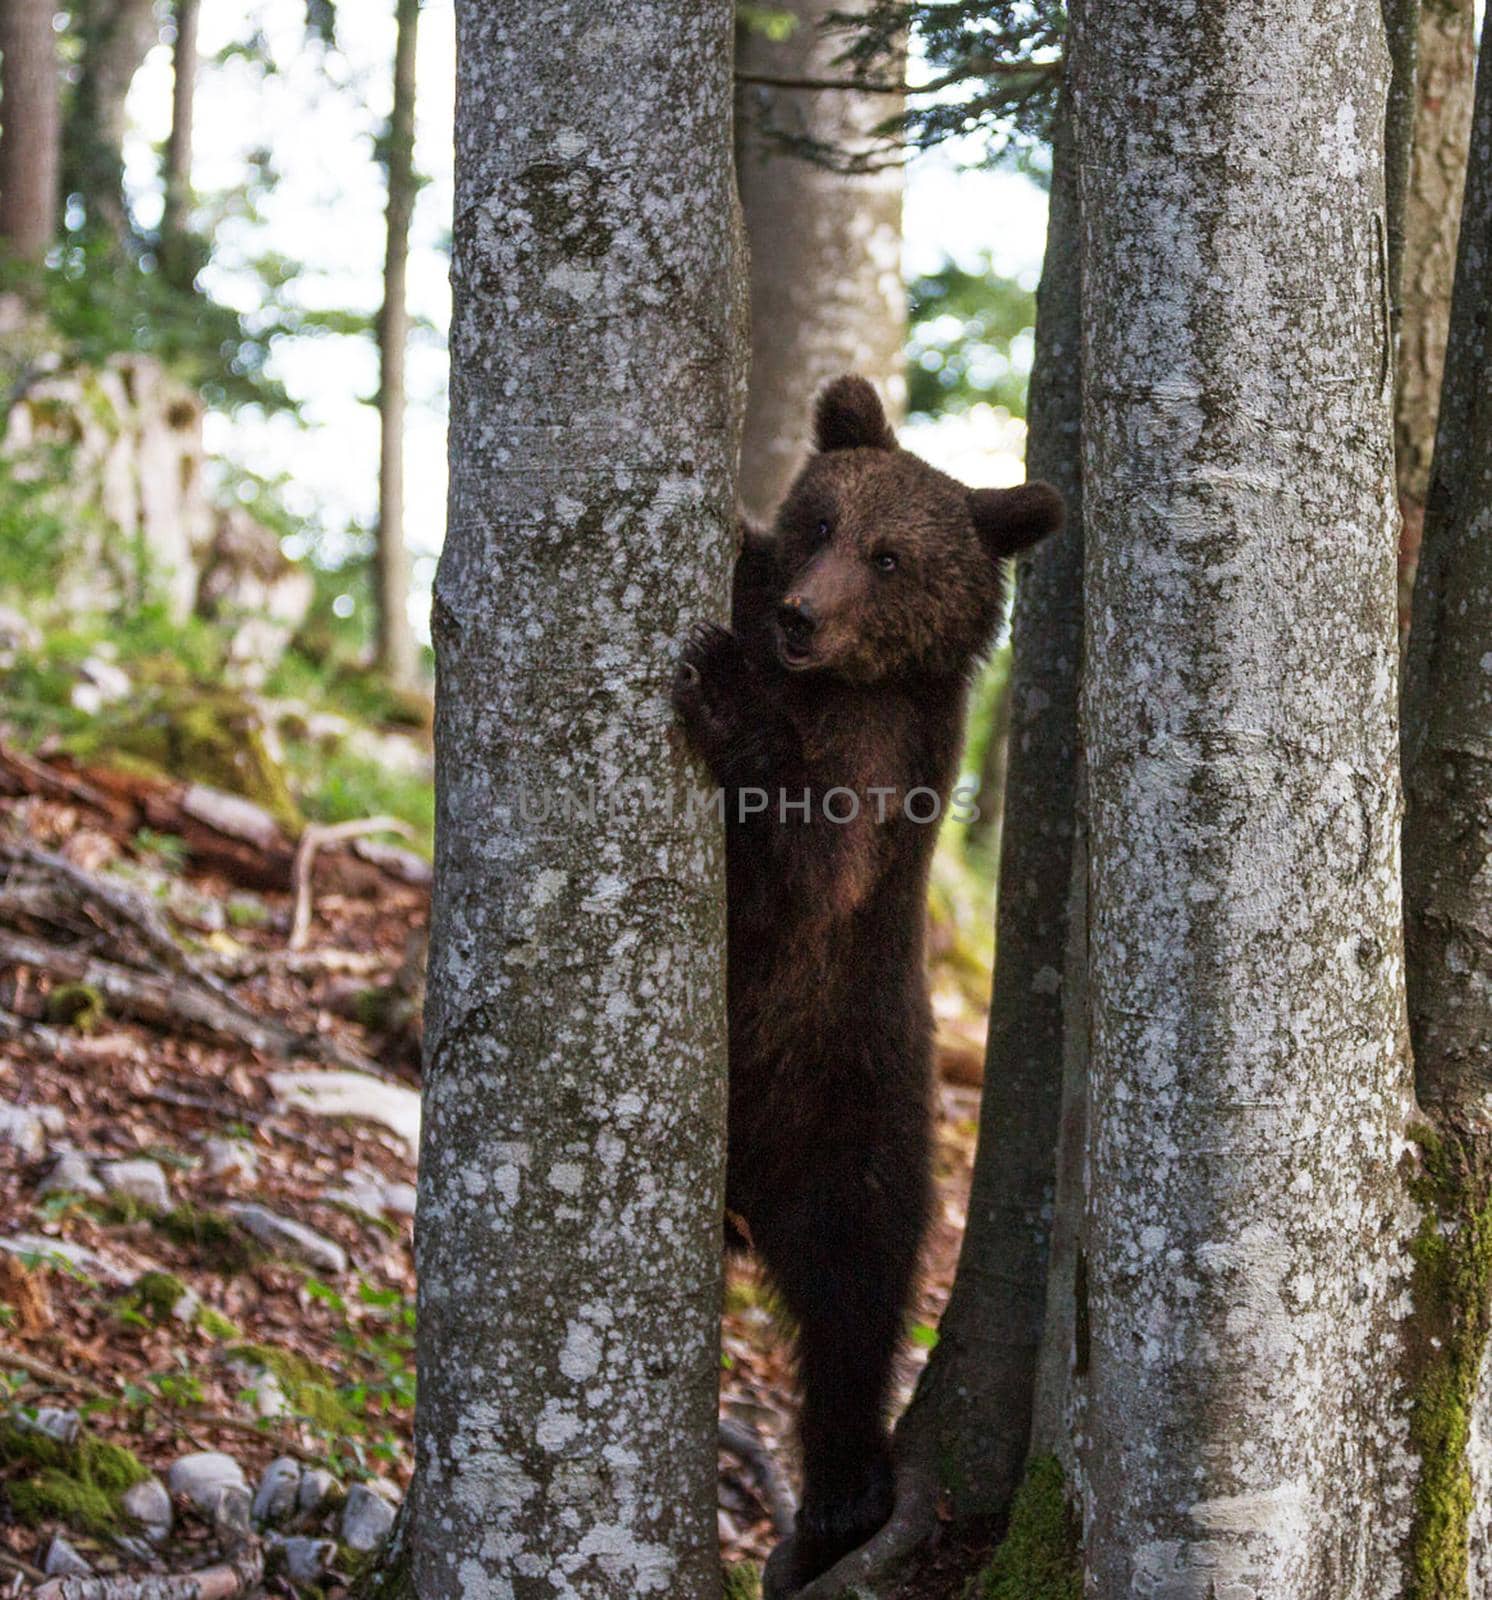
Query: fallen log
{"x": 175, "y": 1002}
{"x": 240, "y": 1574}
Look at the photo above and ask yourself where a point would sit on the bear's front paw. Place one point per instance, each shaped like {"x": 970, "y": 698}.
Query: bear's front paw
{"x": 709, "y": 672}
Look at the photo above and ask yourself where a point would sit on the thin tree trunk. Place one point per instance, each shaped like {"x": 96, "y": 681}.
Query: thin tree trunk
{"x": 397, "y": 650}
{"x": 982, "y": 1375}
{"x": 30, "y": 128}
{"x": 116, "y": 36}
{"x": 1401, "y": 24}
{"x": 826, "y": 288}
{"x": 1448, "y": 920}
{"x": 176, "y": 248}
{"x": 1432, "y": 215}
{"x": 571, "y": 1169}
{"x": 1448, "y": 693}
{"x": 1248, "y": 1087}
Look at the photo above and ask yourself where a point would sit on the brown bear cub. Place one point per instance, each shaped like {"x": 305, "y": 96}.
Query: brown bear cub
{"x": 831, "y": 715}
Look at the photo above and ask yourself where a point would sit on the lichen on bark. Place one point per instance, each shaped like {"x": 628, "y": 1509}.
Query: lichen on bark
{"x": 1238, "y": 714}
{"x": 568, "y": 1237}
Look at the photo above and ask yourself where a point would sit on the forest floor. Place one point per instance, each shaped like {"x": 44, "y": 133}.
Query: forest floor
{"x": 138, "y": 1298}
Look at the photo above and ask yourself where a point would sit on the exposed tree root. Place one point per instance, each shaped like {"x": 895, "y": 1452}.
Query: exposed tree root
{"x": 313, "y": 836}
{"x": 869, "y": 1572}
{"x": 743, "y": 1443}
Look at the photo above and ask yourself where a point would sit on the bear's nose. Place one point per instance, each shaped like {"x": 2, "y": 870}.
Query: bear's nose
{"x": 797, "y": 620}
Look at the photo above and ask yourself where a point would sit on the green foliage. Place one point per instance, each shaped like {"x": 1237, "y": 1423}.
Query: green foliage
{"x": 1038, "y": 1558}
{"x": 972, "y": 337}
{"x": 101, "y": 302}
{"x": 79, "y": 1484}
{"x": 375, "y": 1332}
{"x": 993, "y": 70}
{"x": 153, "y": 1298}
{"x": 1451, "y": 1289}
{"x": 771, "y": 22}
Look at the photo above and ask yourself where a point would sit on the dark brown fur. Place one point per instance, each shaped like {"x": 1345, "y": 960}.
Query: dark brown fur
{"x": 855, "y": 625}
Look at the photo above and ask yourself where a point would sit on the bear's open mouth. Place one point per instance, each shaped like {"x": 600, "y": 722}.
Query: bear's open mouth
{"x": 793, "y": 653}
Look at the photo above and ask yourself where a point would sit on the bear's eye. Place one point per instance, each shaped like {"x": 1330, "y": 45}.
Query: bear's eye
{"x": 823, "y": 528}
{"x": 886, "y": 561}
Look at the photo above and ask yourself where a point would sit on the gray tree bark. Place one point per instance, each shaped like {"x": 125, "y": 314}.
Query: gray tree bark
{"x": 572, "y": 1160}
{"x": 30, "y": 128}
{"x": 176, "y": 248}
{"x": 1448, "y": 918}
{"x": 1244, "y": 1237}
{"x": 1401, "y": 25}
{"x": 826, "y": 287}
{"x": 1432, "y": 215}
{"x": 396, "y": 646}
{"x": 115, "y": 36}
{"x": 981, "y": 1378}
{"x": 1448, "y": 692}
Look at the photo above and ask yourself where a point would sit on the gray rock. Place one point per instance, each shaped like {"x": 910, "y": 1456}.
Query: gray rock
{"x": 288, "y": 1238}
{"x": 264, "y": 1392}
{"x": 318, "y": 1490}
{"x": 361, "y": 1191}
{"x": 230, "y": 1158}
{"x": 231, "y": 1524}
{"x": 143, "y": 1181}
{"x": 367, "y": 1519}
{"x": 279, "y": 1489}
{"x": 352, "y": 1094}
{"x": 76, "y": 1257}
{"x": 203, "y": 1478}
{"x": 23, "y": 1130}
{"x": 72, "y": 1173}
{"x": 54, "y": 1421}
{"x": 376, "y": 1196}
{"x": 150, "y": 1505}
{"x": 63, "y": 1561}
{"x": 307, "y": 1560}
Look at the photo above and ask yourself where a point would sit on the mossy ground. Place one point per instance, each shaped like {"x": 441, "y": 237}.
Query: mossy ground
{"x": 1452, "y": 1281}
{"x": 1038, "y": 1559}
{"x": 76, "y": 1005}
{"x": 79, "y": 1484}
{"x": 310, "y": 1389}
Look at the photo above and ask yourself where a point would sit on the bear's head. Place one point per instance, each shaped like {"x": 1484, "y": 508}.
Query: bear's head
{"x": 887, "y": 567}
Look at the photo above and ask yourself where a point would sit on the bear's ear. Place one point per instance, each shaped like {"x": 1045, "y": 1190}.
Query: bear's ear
{"x": 848, "y": 416}
{"x": 1011, "y": 520}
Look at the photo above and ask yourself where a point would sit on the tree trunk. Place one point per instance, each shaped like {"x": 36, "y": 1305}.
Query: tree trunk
{"x": 30, "y": 138}
{"x": 1401, "y": 24}
{"x": 176, "y": 249}
{"x": 397, "y": 649}
{"x": 1244, "y": 1433}
{"x": 572, "y": 1160}
{"x": 1448, "y": 916}
{"x": 1432, "y": 214}
{"x": 115, "y": 37}
{"x": 826, "y": 287}
{"x": 982, "y": 1375}
{"x": 1448, "y": 692}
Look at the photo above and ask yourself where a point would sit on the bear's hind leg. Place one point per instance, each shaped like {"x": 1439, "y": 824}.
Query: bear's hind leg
{"x": 845, "y": 1272}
